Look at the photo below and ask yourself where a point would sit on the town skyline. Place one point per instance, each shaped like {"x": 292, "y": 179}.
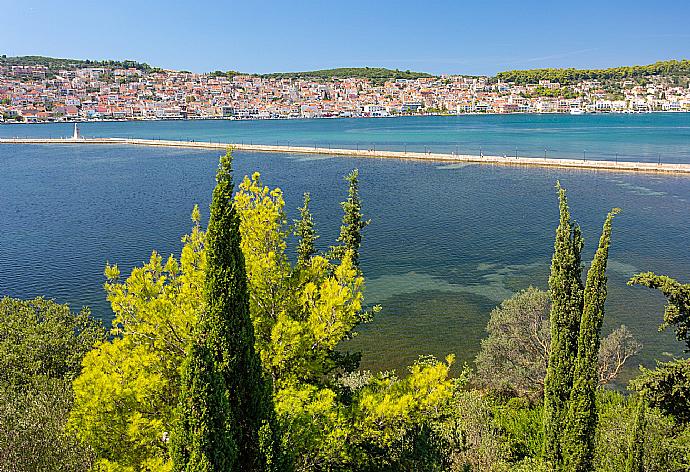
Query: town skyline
{"x": 43, "y": 89}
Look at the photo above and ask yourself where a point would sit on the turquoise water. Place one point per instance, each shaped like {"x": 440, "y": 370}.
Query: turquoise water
{"x": 446, "y": 244}
{"x": 644, "y": 137}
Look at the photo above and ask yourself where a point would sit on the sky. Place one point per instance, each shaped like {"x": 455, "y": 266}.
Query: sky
{"x": 441, "y": 37}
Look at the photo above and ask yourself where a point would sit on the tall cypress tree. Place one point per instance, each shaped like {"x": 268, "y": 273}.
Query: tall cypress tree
{"x": 353, "y": 223}
{"x": 201, "y": 441}
{"x": 244, "y": 420}
{"x": 582, "y": 413}
{"x": 305, "y": 233}
{"x": 566, "y": 291}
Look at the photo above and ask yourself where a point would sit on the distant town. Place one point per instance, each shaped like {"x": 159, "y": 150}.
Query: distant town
{"x": 31, "y": 92}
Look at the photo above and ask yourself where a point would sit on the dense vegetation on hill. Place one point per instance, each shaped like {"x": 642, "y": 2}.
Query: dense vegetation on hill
{"x": 376, "y": 74}
{"x": 233, "y": 356}
{"x": 566, "y": 76}
{"x": 55, "y": 64}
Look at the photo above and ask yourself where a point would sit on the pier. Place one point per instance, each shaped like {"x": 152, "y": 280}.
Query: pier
{"x": 617, "y": 166}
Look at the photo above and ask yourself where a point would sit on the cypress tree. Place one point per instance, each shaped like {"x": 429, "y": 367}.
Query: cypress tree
{"x": 635, "y": 460}
{"x": 566, "y": 291}
{"x": 353, "y": 223}
{"x": 582, "y": 413}
{"x": 305, "y": 233}
{"x": 243, "y": 420}
{"x": 201, "y": 441}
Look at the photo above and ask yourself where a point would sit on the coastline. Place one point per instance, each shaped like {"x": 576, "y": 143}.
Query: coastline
{"x": 221, "y": 118}
{"x": 621, "y": 166}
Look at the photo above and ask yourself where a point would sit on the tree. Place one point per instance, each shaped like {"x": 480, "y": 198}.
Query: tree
{"x": 223, "y": 365}
{"x": 668, "y": 386}
{"x": 635, "y": 459}
{"x": 566, "y": 291}
{"x": 677, "y": 312}
{"x": 42, "y": 344}
{"x": 615, "y": 350}
{"x": 582, "y": 414}
{"x": 129, "y": 385}
{"x": 305, "y": 233}
{"x": 353, "y": 222}
{"x": 203, "y": 440}
{"x": 513, "y": 357}
{"x": 42, "y": 339}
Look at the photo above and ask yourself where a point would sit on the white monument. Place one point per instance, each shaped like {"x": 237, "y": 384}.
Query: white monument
{"x": 77, "y": 134}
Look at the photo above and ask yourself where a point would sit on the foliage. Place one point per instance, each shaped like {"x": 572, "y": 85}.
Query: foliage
{"x": 566, "y": 291}
{"x": 305, "y": 233}
{"x": 227, "y": 74}
{"x": 376, "y": 74}
{"x": 350, "y": 238}
{"x": 582, "y": 414}
{"x": 541, "y": 91}
{"x": 664, "y": 448}
{"x": 391, "y": 415}
{"x": 565, "y": 76}
{"x": 32, "y": 429}
{"x": 667, "y": 387}
{"x": 520, "y": 424}
{"x": 203, "y": 439}
{"x": 513, "y": 357}
{"x": 225, "y": 400}
{"x": 42, "y": 344}
{"x": 55, "y": 64}
{"x": 41, "y": 339}
{"x": 129, "y": 386}
{"x": 677, "y": 312}
{"x": 635, "y": 460}
{"x": 615, "y": 350}
{"x": 301, "y": 314}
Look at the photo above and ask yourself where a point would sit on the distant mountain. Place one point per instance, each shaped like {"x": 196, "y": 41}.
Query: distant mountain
{"x": 567, "y": 76}
{"x": 376, "y": 74}
{"x": 55, "y": 64}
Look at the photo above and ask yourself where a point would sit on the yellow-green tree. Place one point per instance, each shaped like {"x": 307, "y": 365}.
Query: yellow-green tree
{"x": 301, "y": 314}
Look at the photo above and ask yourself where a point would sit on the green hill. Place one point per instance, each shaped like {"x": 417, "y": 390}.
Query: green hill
{"x": 376, "y": 74}
{"x": 54, "y": 64}
{"x": 566, "y": 76}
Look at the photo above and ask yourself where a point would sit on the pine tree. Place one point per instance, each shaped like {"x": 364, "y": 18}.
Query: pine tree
{"x": 566, "y": 291}
{"x": 353, "y": 223}
{"x": 305, "y": 233}
{"x": 227, "y": 336}
{"x": 582, "y": 414}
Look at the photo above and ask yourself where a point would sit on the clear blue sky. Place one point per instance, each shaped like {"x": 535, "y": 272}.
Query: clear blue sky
{"x": 472, "y": 37}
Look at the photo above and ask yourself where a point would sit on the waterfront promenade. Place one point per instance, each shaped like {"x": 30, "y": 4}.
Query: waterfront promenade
{"x": 621, "y": 166}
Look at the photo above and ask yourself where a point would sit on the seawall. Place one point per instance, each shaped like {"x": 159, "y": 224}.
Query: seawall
{"x": 619, "y": 166}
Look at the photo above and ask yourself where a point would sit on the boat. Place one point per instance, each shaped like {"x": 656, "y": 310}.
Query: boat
{"x": 576, "y": 111}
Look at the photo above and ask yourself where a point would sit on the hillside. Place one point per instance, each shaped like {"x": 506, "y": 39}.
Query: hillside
{"x": 54, "y": 64}
{"x": 566, "y": 76}
{"x": 376, "y": 74}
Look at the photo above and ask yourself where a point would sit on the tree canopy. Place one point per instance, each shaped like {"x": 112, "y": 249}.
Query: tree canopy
{"x": 567, "y": 76}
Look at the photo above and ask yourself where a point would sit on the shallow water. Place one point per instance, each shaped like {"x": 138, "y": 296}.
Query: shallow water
{"x": 652, "y": 137}
{"x": 446, "y": 243}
